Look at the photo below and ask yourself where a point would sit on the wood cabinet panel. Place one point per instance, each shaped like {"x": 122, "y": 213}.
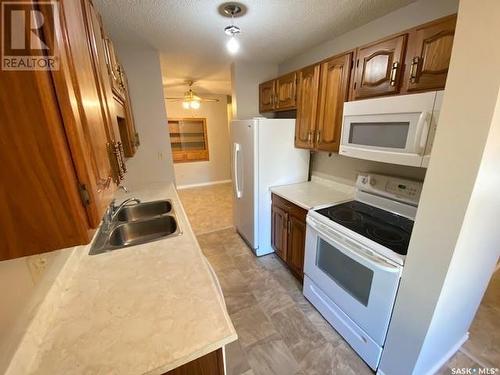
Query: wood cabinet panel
{"x": 429, "y": 54}
{"x": 307, "y": 106}
{"x": 279, "y": 224}
{"x": 296, "y": 245}
{"x": 40, "y": 208}
{"x": 334, "y": 91}
{"x": 286, "y": 92}
{"x": 83, "y": 109}
{"x": 288, "y": 233}
{"x": 266, "y": 96}
{"x": 379, "y": 66}
{"x": 210, "y": 364}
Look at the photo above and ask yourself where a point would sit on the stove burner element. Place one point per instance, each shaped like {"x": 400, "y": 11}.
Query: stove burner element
{"x": 386, "y": 228}
{"x": 386, "y": 235}
{"x": 343, "y": 215}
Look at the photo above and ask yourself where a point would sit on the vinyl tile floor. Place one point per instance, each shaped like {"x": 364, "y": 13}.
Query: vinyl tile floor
{"x": 208, "y": 208}
{"x": 279, "y": 331}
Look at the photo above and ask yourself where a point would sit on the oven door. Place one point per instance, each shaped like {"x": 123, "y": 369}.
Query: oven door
{"x": 360, "y": 282}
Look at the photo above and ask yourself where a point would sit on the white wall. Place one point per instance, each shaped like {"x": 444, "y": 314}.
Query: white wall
{"x": 455, "y": 242}
{"x": 153, "y": 160}
{"x": 343, "y": 168}
{"x": 245, "y": 79}
{"x": 404, "y": 18}
{"x": 218, "y": 167}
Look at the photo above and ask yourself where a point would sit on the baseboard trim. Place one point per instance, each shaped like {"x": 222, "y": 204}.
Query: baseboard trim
{"x": 181, "y": 187}
{"x": 455, "y": 348}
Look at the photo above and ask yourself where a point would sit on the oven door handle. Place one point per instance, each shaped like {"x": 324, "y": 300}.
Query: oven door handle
{"x": 348, "y": 246}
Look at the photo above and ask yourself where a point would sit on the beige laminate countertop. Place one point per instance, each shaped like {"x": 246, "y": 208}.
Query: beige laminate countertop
{"x": 145, "y": 309}
{"x": 314, "y": 193}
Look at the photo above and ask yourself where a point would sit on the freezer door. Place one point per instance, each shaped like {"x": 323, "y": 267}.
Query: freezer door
{"x": 243, "y": 173}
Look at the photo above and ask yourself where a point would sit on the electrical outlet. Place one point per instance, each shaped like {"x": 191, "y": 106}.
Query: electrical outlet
{"x": 37, "y": 265}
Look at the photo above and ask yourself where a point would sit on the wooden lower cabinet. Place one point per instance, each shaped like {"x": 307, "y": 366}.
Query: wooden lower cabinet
{"x": 288, "y": 234}
{"x": 279, "y": 231}
{"x": 210, "y": 364}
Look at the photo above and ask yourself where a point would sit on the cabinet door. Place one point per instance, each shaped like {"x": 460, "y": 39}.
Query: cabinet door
{"x": 429, "y": 55}
{"x": 279, "y": 225}
{"x": 296, "y": 245}
{"x": 266, "y": 96}
{"x": 334, "y": 86}
{"x": 286, "y": 92}
{"x": 83, "y": 109}
{"x": 307, "y": 106}
{"x": 379, "y": 67}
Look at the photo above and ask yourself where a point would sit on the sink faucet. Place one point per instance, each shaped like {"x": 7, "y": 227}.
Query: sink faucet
{"x": 116, "y": 209}
{"x": 113, "y": 210}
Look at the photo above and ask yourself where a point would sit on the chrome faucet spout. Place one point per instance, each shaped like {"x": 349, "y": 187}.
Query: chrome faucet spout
{"x": 116, "y": 210}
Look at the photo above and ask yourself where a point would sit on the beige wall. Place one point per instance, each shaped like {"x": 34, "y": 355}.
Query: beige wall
{"x": 343, "y": 168}
{"x": 153, "y": 160}
{"x": 218, "y": 167}
{"x": 455, "y": 241}
{"x": 245, "y": 79}
{"x": 24, "y": 283}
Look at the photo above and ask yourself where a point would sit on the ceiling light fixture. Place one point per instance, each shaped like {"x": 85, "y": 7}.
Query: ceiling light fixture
{"x": 190, "y": 100}
{"x": 232, "y": 10}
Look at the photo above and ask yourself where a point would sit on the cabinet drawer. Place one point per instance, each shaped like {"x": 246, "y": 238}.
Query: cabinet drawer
{"x": 289, "y": 207}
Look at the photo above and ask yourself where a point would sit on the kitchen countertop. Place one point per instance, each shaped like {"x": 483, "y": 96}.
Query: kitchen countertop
{"x": 315, "y": 193}
{"x": 144, "y": 309}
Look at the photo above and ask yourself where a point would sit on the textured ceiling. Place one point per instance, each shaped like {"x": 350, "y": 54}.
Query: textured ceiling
{"x": 189, "y": 33}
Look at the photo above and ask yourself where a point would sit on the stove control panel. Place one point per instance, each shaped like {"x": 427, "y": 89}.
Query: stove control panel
{"x": 400, "y": 189}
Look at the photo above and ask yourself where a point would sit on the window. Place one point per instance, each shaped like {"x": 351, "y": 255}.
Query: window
{"x": 188, "y": 138}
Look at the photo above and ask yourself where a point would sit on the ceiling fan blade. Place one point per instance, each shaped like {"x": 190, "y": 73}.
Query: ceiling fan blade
{"x": 210, "y": 100}
{"x": 174, "y": 99}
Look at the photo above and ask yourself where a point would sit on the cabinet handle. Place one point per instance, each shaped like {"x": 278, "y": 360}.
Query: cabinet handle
{"x": 318, "y": 136}
{"x": 289, "y": 226}
{"x": 309, "y": 136}
{"x": 394, "y": 73}
{"x": 413, "y": 69}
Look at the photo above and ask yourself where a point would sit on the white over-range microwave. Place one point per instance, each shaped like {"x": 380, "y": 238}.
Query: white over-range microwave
{"x": 397, "y": 129}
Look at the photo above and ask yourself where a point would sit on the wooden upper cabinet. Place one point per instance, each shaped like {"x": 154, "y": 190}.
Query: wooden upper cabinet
{"x": 379, "y": 66}
{"x": 307, "y": 106}
{"x": 84, "y": 110}
{"x": 266, "y": 96}
{"x": 429, "y": 54}
{"x": 286, "y": 92}
{"x": 334, "y": 91}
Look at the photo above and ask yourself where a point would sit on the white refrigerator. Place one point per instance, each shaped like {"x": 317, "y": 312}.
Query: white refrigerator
{"x": 263, "y": 155}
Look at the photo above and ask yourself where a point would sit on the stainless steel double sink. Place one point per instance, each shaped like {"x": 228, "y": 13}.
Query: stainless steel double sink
{"x": 136, "y": 224}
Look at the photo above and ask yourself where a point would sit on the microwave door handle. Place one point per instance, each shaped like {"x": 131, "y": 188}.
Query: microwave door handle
{"x": 368, "y": 256}
{"x": 423, "y": 126}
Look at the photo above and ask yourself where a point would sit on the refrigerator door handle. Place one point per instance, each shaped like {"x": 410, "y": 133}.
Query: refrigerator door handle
{"x": 236, "y": 160}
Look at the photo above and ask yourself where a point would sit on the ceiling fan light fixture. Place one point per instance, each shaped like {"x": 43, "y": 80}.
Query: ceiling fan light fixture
{"x": 195, "y": 104}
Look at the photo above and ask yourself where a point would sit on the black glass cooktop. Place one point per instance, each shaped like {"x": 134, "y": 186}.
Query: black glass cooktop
{"x": 388, "y": 229}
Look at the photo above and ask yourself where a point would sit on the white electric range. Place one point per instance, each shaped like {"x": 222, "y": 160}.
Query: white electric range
{"x": 355, "y": 252}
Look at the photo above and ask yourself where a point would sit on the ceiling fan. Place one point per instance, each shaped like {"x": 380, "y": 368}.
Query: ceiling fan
{"x": 191, "y": 100}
